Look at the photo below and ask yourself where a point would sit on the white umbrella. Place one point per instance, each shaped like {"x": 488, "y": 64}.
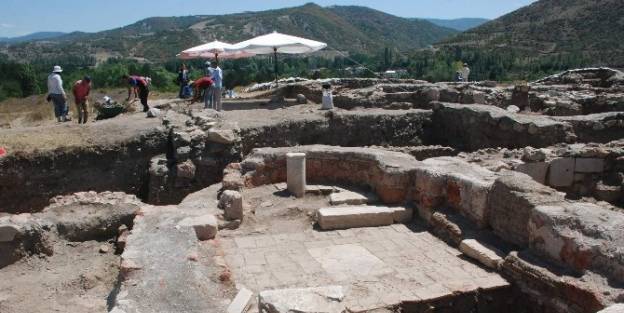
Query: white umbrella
{"x": 275, "y": 43}
{"x": 214, "y": 50}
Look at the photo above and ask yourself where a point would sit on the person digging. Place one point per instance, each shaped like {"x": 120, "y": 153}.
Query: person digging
{"x": 201, "y": 88}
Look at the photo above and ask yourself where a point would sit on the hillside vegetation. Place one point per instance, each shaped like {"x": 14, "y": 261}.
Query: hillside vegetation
{"x": 592, "y": 29}
{"x": 459, "y": 24}
{"x": 349, "y": 29}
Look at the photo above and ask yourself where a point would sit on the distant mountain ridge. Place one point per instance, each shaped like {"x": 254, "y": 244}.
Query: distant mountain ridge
{"x": 30, "y": 37}
{"x": 459, "y": 24}
{"x": 351, "y": 29}
{"x": 590, "y": 29}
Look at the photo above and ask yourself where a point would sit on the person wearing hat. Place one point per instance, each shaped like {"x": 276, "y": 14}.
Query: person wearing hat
{"x": 465, "y": 72}
{"x": 208, "y": 94}
{"x": 217, "y": 87}
{"x": 57, "y": 95}
{"x": 81, "y": 91}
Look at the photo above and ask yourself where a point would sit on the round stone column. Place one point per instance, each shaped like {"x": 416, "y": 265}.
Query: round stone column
{"x": 296, "y": 173}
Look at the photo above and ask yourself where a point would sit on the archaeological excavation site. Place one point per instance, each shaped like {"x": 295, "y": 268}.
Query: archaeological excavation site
{"x": 406, "y": 196}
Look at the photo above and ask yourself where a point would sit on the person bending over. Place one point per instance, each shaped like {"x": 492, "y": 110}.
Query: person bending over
{"x": 139, "y": 85}
{"x": 202, "y": 87}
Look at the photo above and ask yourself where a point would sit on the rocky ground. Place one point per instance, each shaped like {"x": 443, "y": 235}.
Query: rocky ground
{"x": 78, "y": 277}
{"x": 475, "y": 196}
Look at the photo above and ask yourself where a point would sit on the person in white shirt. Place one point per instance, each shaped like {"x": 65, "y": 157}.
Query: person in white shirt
{"x": 57, "y": 95}
{"x": 217, "y": 79}
{"x": 465, "y": 73}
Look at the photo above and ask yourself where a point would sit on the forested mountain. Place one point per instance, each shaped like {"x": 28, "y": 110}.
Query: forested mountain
{"x": 31, "y": 37}
{"x": 349, "y": 29}
{"x": 592, "y": 29}
{"x": 459, "y": 24}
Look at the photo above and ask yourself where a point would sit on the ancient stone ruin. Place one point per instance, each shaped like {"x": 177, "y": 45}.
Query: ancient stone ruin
{"x": 407, "y": 197}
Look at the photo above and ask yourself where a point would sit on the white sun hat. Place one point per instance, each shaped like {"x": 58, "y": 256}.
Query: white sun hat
{"x": 57, "y": 69}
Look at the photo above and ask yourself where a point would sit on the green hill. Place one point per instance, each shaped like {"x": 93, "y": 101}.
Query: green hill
{"x": 592, "y": 29}
{"x": 349, "y": 29}
{"x": 460, "y": 24}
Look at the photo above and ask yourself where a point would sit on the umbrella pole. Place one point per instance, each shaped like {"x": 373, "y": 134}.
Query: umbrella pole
{"x": 276, "y": 74}
{"x": 217, "y": 58}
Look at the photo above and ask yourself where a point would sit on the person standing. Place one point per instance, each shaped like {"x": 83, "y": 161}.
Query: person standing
{"x": 81, "y": 91}
{"x": 139, "y": 85}
{"x": 182, "y": 80}
{"x": 217, "y": 79}
{"x": 208, "y": 70}
{"x": 465, "y": 73}
{"x": 57, "y": 94}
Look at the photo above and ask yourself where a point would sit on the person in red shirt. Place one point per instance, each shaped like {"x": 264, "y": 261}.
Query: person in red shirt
{"x": 138, "y": 83}
{"x": 201, "y": 87}
{"x": 81, "y": 91}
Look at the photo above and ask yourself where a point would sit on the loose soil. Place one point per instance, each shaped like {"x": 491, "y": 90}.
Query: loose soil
{"x": 77, "y": 278}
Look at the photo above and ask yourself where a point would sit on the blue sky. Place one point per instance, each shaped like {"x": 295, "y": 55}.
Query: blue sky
{"x": 19, "y": 17}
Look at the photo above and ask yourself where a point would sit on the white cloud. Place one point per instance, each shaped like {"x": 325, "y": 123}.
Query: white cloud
{"x": 5, "y": 25}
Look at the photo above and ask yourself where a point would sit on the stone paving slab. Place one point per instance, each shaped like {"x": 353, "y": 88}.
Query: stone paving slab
{"x": 377, "y": 266}
{"x": 354, "y": 216}
{"x": 164, "y": 270}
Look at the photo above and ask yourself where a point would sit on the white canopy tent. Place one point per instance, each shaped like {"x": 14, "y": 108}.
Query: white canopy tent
{"x": 275, "y": 43}
{"x": 213, "y": 50}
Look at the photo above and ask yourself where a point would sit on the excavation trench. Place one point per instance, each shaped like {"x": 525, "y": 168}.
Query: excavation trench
{"x": 163, "y": 164}
{"x": 449, "y": 198}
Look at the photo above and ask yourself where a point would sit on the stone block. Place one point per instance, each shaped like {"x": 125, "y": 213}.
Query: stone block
{"x": 485, "y": 255}
{"x": 320, "y": 189}
{"x": 604, "y": 192}
{"x": 8, "y": 232}
{"x": 589, "y": 165}
{"x": 186, "y": 170}
{"x": 181, "y": 139}
{"x": 231, "y": 202}
{"x": 512, "y": 198}
{"x": 537, "y": 171}
{"x": 356, "y": 216}
{"x": 561, "y": 172}
{"x": 296, "y": 173}
{"x": 347, "y": 197}
{"x": 222, "y": 136}
{"x": 301, "y": 99}
{"x": 158, "y": 166}
{"x": 403, "y": 214}
{"x": 306, "y": 300}
{"x": 233, "y": 181}
{"x": 241, "y": 301}
{"x": 205, "y": 226}
{"x": 616, "y": 308}
{"x": 583, "y": 236}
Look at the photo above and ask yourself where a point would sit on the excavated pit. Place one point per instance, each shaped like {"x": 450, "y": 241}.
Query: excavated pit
{"x": 475, "y": 208}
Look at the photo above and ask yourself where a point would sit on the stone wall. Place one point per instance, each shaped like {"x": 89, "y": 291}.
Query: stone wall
{"x": 473, "y": 127}
{"x": 580, "y": 170}
{"x": 603, "y": 127}
{"x": 387, "y": 173}
{"x": 27, "y": 182}
{"x": 522, "y": 212}
{"x": 351, "y": 129}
